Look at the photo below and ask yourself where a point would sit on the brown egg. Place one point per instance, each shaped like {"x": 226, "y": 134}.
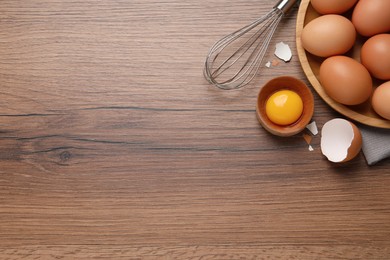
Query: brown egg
{"x": 332, "y": 6}
{"x": 345, "y": 80}
{"x": 381, "y": 100}
{"x": 375, "y": 56}
{"x": 371, "y": 17}
{"x": 328, "y": 35}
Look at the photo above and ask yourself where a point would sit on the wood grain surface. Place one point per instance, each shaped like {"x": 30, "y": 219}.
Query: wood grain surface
{"x": 114, "y": 146}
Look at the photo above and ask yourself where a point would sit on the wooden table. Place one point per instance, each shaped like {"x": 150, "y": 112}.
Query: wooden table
{"x": 114, "y": 146}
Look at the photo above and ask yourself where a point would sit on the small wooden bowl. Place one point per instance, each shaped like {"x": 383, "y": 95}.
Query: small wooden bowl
{"x": 285, "y": 83}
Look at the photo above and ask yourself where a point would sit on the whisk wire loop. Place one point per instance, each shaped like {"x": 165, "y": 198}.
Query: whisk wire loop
{"x": 241, "y": 50}
{"x": 253, "y": 62}
{"x": 234, "y": 60}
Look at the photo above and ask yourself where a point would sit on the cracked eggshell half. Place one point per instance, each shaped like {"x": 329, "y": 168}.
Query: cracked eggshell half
{"x": 341, "y": 140}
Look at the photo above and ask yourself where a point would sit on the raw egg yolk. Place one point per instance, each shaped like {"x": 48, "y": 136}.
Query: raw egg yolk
{"x": 284, "y": 107}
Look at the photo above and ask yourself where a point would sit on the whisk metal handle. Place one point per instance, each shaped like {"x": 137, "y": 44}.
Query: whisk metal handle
{"x": 285, "y": 5}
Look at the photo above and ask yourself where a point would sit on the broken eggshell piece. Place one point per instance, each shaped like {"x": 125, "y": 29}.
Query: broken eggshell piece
{"x": 312, "y": 127}
{"x": 283, "y": 51}
{"x": 341, "y": 140}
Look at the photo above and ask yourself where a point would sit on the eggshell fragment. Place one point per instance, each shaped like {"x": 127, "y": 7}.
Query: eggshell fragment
{"x": 312, "y": 127}
{"x": 275, "y": 62}
{"x": 341, "y": 140}
{"x": 283, "y": 51}
{"x": 307, "y": 138}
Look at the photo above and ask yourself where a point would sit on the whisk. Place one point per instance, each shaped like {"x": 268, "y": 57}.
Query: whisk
{"x": 234, "y": 60}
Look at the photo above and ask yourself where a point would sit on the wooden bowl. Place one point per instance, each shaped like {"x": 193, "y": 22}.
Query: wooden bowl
{"x": 363, "y": 113}
{"x": 285, "y": 83}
